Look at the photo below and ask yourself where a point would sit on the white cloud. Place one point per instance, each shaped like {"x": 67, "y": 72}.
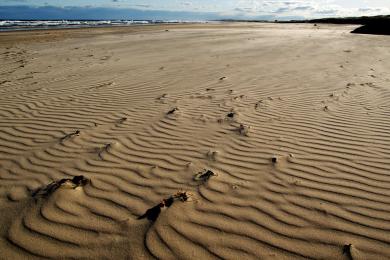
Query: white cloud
{"x": 307, "y": 8}
{"x": 250, "y": 9}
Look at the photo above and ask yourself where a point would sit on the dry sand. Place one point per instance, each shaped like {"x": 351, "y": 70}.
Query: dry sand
{"x": 307, "y": 175}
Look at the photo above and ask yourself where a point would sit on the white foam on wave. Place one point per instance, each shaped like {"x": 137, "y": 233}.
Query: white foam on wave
{"x": 19, "y": 24}
{"x": 13, "y": 25}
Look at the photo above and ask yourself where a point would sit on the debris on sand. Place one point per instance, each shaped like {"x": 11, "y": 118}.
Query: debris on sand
{"x": 79, "y": 180}
{"x": 259, "y": 103}
{"x": 274, "y": 159}
{"x": 183, "y": 196}
{"x": 244, "y": 129}
{"x": 168, "y": 202}
{"x": 172, "y": 111}
{"x": 76, "y": 181}
{"x": 122, "y": 120}
{"x": 290, "y": 157}
{"x": 222, "y": 78}
{"x": 165, "y": 95}
{"x": 204, "y": 175}
{"x": 347, "y": 250}
{"x": 103, "y": 149}
{"x": 231, "y": 114}
{"x": 153, "y": 213}
{"x": 75, "y": 133}
{"x": 212, "y": 155}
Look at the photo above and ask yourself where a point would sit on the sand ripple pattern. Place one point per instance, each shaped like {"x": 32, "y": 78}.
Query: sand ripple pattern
{"x": 321, "y": 111}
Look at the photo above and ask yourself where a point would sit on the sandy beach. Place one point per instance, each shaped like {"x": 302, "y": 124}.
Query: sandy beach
{"x": 197, "y": 141}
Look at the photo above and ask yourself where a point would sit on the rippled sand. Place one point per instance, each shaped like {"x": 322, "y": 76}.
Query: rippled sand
{"x": 292, "y": 120}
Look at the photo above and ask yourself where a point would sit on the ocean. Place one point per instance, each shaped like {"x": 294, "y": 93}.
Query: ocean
{"x": 14, "y": 25}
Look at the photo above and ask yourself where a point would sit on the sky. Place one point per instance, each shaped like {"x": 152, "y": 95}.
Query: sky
{"x": 190, "y": 9}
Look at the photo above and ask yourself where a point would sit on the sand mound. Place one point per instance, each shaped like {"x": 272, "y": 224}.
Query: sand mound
{"x": 278, "y": 133}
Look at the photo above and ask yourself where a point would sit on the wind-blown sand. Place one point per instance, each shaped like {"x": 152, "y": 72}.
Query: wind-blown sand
{"x": 307, "y": 175}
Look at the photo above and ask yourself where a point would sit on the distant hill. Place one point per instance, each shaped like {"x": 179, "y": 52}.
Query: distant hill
{"x": 354, "y": 20}
{"x": 380, "y": 28}
{"x": 371, "y": 24}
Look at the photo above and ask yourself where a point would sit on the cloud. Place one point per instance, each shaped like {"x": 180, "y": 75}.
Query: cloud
{"x": 282, "y": 10}
{"x": 303, "y": 8}
{"x": 369, "y": 10}
{"x": 99, "y": 13}
{"x": 142, "y": 6}
{"x": 327, "y": 11}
